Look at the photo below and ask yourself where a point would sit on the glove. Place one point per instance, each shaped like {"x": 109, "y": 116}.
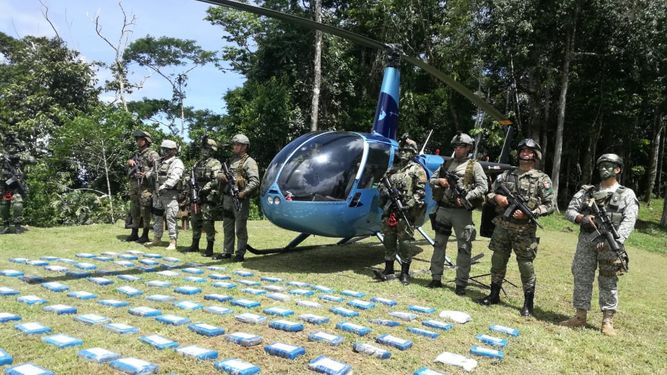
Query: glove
{"x": 601, "y": 246}
{"x": 588, "y": 223}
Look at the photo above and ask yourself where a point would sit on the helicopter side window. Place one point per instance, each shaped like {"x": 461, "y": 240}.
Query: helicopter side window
{"x": 323, "y": 169}
{"x": 278, "y": 160}
{"x": 376, "y": 164}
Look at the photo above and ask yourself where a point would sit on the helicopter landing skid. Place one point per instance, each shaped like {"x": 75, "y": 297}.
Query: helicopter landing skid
{"x": 293, "y": 245}
{"x": 448, "y": 261}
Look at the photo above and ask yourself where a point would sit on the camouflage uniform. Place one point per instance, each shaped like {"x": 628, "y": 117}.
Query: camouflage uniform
{"x": 168, "y": 174}
{"x": 449, "y": 215}
{"x": 622, "y": 205}
{"x": 141, "y": 189}
{"x": 235, "y": 223}
{"x": 206, "y": 171}
{"x": 11, "y": 200}
{"x": 536, "y": 188}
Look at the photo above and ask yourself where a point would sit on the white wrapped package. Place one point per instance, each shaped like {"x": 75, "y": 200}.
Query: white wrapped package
{"x": 448, "y": 358}
{"x": 456, "y": 316}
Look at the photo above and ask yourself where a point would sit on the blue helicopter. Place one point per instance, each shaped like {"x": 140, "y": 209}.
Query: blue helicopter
{"x": 326, "y": 183}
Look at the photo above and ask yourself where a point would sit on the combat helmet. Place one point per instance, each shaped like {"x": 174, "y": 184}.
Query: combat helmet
{"x": 209, "y": 143}
{"x": 407, "y": 144}
{"x": 530, "y": 144}
{"x": 241, "y": 139}
{"x": 169, "y": 144}
{"x": 613, "y": 158}
{"x": 142, "y": 134}
{"x": 462, "y": 138}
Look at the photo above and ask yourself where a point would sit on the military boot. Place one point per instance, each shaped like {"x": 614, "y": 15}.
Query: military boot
{"x": 528, "y": 298}
{"x": 209, "y": 249}
{"x": 607, "y": 323}
{"x": 405, "y": 273}
{"x": 194, "y": 247}
{"x": 388, "y": 270}
{"x": 133, "y": 236}
{"x": 434, "y": 284}
{"x": 156, "y": 242}
{"x": 144, "y": 236}
{"x": 172, "y": 245}
{"x": 494, "y": 297}
{"x": 578, "y": 320}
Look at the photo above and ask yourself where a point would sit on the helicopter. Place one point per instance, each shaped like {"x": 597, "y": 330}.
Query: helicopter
{"x": 326, "y": 183}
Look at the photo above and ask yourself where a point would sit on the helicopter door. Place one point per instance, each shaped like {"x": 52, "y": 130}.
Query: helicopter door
{"x": 377, "y": 163}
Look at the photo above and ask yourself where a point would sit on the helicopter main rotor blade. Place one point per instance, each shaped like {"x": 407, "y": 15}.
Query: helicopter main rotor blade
{"x": 370, "y": 43}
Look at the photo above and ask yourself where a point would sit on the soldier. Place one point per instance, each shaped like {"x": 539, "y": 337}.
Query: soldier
{"x": 246, "y": 173}
{"x": 141, "y": 190}
{"x": 167, "y": 177}
{"x": 205, "y": 172}
{"x": 517, "y": 232}
{"x": 451, "y": 212}
{"x": 592, "y": 251}
{"x": 410, "y": 179}
{"x": 12, "y": 184}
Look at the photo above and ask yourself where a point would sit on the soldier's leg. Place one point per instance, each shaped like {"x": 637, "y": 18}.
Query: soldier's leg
{"x": 197, "y": 224}
{"x": 208, "y": 215}
{"x": 171, "y": 213}
{"x": 501, "y": 245}
{"x": 389, "y": 242}
{"x": 583, "y": 271}
{"x": 607, "y": 281}
{"x": 443, "y": 229}
{"x": 228, "y": 226}
{"x": 242, "y": 228}
{"x": 405, "y": 239}
{"x": 525, "y": 247}
{"x": 135, "y": 205}
{"x": 158, "y": 229}
{"x": 5, "y": 203}
{"x": 465, "y": 232}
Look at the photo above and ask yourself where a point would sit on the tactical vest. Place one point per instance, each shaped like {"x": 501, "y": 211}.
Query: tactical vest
{"x": 468, "y": 183}
{"x": 612, "y": 202}
{"x": 237, "y": 168}
{"x": 203, "y": 171}
{"x": 163, "y": 174}
{"x": 527, "y": 187}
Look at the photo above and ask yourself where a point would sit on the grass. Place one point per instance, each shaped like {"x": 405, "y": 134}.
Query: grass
{"x": 543, "y": 347}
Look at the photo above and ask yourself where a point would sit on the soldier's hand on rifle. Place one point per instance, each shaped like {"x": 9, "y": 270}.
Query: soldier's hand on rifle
{"x": 519, "y": 215}
{"x": 131, "y": 163}
{"x": 242, "y": 194}
{"x": 222, "y": 177}
{"x": 601, "y": 246}
{"x": 139, "y": 174}
{"x": 459, "y": 202}
{"x": 588, "y": 222}
{"x": 443, "y": 182}
{"x": 501, "y": 200}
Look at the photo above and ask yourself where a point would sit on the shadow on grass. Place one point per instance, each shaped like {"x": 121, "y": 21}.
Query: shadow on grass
{"x": 649, "y": 227}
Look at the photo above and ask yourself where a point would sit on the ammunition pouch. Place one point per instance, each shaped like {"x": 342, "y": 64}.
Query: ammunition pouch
{"x": 157, "y": 211}
{"x": 240, "y": 183}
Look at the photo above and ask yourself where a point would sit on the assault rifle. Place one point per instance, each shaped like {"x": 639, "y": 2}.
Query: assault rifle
{"x": 396, "y": 199}
{"x": 195, "y": 199}
{"x": 233, "y": 188}
{"x": 459, "y": 192}
{"x": 15, "y": 175}
{"x": 157, "y": 209}
{"x": 138, "y": 167}
{"x": 517, "y": 203}
{"x": 609, "y": 233}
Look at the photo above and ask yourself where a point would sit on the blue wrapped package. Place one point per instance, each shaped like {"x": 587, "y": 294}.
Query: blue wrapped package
{"x": 249, "y": 282}
{"x": 301, "y": 292}
{"x": 354, "y": 328}
{"x": 48, "y": 258}
{"x": 323, "y": 289}
{"x": 32, "y": 279}
{"x": 158, "y": 284}
{"x": 172, "y": 260}
{"x": 33, "y": 328}
{"x": 320, "y": 336}
{"x": 31, "y": 300}
{"x": 129, "y": 291}
{"x": 278, "y": 311}
{"x": 55, "y": 268}
{"x": 66, "y": 260}
{"x": 82, "y": 295}
{"x": 331, "y": 298}
{"x": 98, "y": 355}
{"x": 6, "y": 291}
{"x": 188, "y": 305}
{"x": 326, "y": 365}
{"x": 103, "y": 258}
{"x": 216, "y": 268}
{"x": 217, "y": 297}
{"x": 153, "y": 255}
{"x": 284, "y": 350}
{"x": 217, "y": 276}
{"x": 298, "y": 284}
{"x": 27, "y": 369}
{"x": 403, "y": 315}
{"x": 273, "y": 288}
{"x": 195, "y": 279}
{"x": 373, "y": 351}
{"x": 282, "y": 297}
{"x": 11, "y": 273}
{"x": 38, "y": 263}
{"x": 85, "y": 255}
{"x": 254, "y": 291}
{"x": 55, "y": 286}
{"x": 85, "y": 266}
{"x": 421, "y": 309}
{"x": 217, "y": 310}
{"x": 130, "y": 278}
{"x": 236, "y": 366}
{"x": 438, "y": 324}
{"x": 426, "y": 371}
{"x": 158, "y": 342}
{"x": 188, "y": 290}
{"x": 5, "y": 358}
{"x": 286, "y": 325}
{"x": 62, "y": 341}
{"x": 61, "y": 309}
{"x": 248, "y": 304}
{"x": 344, "y": 312}
{"x": 491, "y": 340}
{"x": 393, "y": 341}
{"x": 352, "y": 293}
{"x": 385, "y": 322}
{"x": 149, "y": 262}
{"x": 423, "y": 332}
{"x": 314, "y": 319}
{"x": 168, "y": 273}
{"x": 505, "y": 330}
{"x": 224, "y": 284}
{"x": 124, "y": 263}
{"x": 8, "y": 317}
{"x": 134, "y": 366}
{"x": 271, "y": 279}
{"x": 243, "y": 273}
{"x": 113, "y": 303}
{"x": 20, "y": 260}
{"x": 361, "y": 304}
{"x": 92, "y": 319}
{"x": 310, "y": 304}
{"x": 121, "y": 328}
{"x": 100, "y": 280}
{"x": 250, "y": 318}
{"x": 384, "y": 301}
{"x": 486, "y": 352}
{"x": 110, "y": 253}
{"x": 144, "y": 311}
{"x": 128, "y": 256}
{"x": 197, "y": 352}
{"x": 244, "y": 339}
{"x": 206, "y": 329}
{"x": 173, "y": 320}
{"x": 160, "y": 298}
{"x": 77, "y": 274}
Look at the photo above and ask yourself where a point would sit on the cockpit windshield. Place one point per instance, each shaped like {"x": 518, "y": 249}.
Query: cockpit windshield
{"x": 323, "y": 169}
{"x": 279, "y": 159}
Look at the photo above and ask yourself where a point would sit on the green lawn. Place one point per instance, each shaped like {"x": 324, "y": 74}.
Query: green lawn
{"x": 542, "y": 348}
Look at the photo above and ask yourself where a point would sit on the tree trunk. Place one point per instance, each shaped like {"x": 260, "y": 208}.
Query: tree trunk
{"x": 317, "y": 69}
{"x": 106, "y": 175}
{"x": 663, "y": 220}
{"x": 661, "y": 160}
{"x": 653, "y": 156}
{"x": 562, "y": 101}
